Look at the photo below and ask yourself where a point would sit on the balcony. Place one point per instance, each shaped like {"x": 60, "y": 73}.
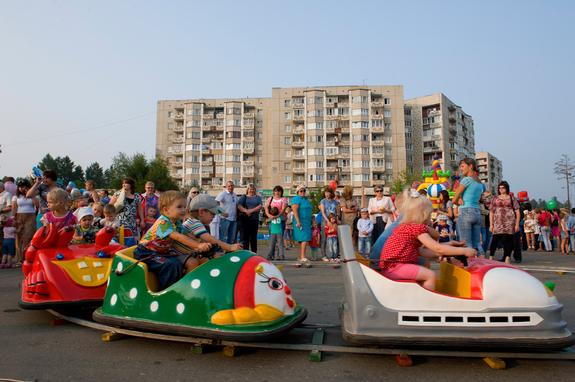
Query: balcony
{"x": 298, "y": 131}
{"x": 220, "y": 115}
{"x": 332, "y": 169}
{"x": 249, "y": 115}
{"x": 376, "y": 129}
{"x": 248, "y": 162}
{"x": 378, "y": 168}
{"x": 298, "y": 144}
{"x": 248, "y": 138}
{"x": 249, "y": 122}
{"x": 177, "y": 174}
{"x": 377, "y": 155}
{"x": 248, "y": 150}
{"x": 298, "y": 117}
{"x": 298, "y": 170}
{"x": 377, "y": 116}
{"x": 431, "y": 149}
{"x": 179, "y": 139}
{"x": 298, "y": 105}
{"x": 208, "y": 116}
{"x": 178, "y": 128}
{"x": 178, "y": 117}
{"x": 377, "y": 104}
{"x": 178, "y": 163}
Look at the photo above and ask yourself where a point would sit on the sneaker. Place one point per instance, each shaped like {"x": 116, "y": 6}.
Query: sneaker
{"x": 325, "y": 259}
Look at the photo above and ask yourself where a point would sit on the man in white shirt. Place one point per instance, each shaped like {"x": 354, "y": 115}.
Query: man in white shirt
{"x": 228, "y": 219}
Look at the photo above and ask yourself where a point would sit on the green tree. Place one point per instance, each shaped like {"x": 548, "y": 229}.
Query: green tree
{"x": 96, "y": 173}
{"x": 48, "y": 163}
{"x": 141, "y": 170}
{"x": 403, "y": 180}
{"x": 78, "y": 176}
{"x": 159, "y": 174}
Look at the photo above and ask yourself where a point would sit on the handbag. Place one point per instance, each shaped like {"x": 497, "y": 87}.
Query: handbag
{"x": 119, "y": 205}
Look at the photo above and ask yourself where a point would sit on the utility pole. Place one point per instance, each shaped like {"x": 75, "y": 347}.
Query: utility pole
{"x": 565, "y": 170}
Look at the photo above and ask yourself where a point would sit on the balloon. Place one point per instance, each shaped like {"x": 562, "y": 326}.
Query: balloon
{"x": 551, "y": 204}
{"x": 333, "y": 185}
{"x": 434, "y": 189}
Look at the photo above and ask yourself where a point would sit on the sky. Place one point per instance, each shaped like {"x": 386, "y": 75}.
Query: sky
{"x": 83, "y": 78}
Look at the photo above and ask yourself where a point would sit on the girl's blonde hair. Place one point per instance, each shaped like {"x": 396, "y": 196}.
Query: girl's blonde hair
{"x": 347, "y": 192}
{"x": 59, "y": 197}
{"x": 415, "y": 208}
{"x": 168, "y": 198}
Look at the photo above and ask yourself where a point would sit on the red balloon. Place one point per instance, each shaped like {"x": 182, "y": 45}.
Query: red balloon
{"x": 522, "y": 196}
{"x": 333, "y": 185}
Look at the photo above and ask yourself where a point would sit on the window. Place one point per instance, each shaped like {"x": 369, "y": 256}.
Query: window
{"x": 407, "y": 123}
{"x": 233, "y": 122}
{"x": 376, "y": 123}
{"x": 315, "y": 125}
{"x": 331, "y": 151}
{"x": 287, "y": 116}
{"x": 319, "y": 177}
{"x": 360, "y": 124}
{"x": 193, "y": 147}
{"x": 287, "y": 153}
{"x": 195, "y": 170}
{"x": 287, "y": 103}
{"x": 365, "y": 150}
{"x": 387, "y": 152}
{"x": 315, "y": 138}
{"x": 387, "y": 101}
{"x": 359, "y": 99}
{"x": 315, "y": 113}
{"x": 359, "y": 112}
{"x": 287, "y": 128}
{"x": 343, "y": 162}
{"x": 343, "y": 111}
{"x": 234, "y": 111}
{"x": 235, "y": 146}
{"x": 387, "y": 113}
{"x": 287, "y": 166}
{"x": 319, "y": 164}
{"x": 287, "y": 179}
{"x": 287, "y": 140}
{"x": 193, "y": 134}
{"x": 170, "y": 114}
{"x": 388, "y": 166}
{"x": 319, "y": 100}
{"x": 387, "y": 139}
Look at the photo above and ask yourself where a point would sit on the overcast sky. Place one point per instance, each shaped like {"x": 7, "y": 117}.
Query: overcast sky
{"x": 82, "y": 78}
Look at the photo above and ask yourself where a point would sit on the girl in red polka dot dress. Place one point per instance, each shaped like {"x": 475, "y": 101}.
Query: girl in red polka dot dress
{"x": 399, "y": 257}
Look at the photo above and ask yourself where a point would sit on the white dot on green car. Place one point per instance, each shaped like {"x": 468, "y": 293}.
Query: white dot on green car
{"x": 180, "y": 308}
{"x": 113, "y": 299}
{"x": 120, "y": 267}
{"x": 215, "y": 272}
{"x": 196, "y": 284}
{"x": 154, "y": 306}
{"x": 234, "y": 259}
{"x": 133, "y": 293}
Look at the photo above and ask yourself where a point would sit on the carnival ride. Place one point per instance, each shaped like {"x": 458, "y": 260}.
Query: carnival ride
{"x": 57, "y": 274}
{"x": 237, "y": 296}
{"x": 488, "y": 305}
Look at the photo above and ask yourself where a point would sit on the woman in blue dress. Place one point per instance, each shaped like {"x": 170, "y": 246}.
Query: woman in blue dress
{"x": 302, "y": 214}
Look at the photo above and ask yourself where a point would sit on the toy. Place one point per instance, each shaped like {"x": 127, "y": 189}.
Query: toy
{"x": 237, "y": 296}
{"x": 57, "y": 274}
{"x": 522, "y": 196}
{"x": 434, "y": 182}
{"x": 333, "y": 185}
{"x": 488, "y": 305}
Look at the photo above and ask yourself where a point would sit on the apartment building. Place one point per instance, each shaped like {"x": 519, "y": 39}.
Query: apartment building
{"x": 490, "y": 170}
{"x": 437, "y": 127}
{"x": 364, "y": 135}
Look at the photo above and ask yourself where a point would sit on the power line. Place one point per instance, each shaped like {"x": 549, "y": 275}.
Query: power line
{"x": 79, "y": 131}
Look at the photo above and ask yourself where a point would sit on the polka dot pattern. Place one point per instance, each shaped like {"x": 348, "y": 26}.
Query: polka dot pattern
{"x": 215, "y": 272}
{"x": 196, "y": 284}
{"x": 154, "y": 306}
{"x": 180, "y": 308}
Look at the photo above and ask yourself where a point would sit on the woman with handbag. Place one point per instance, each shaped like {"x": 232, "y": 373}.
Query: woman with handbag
{"x": 503, "y": 221}
{"x": 128, "y": 205}
{"x": 249, "y": 207}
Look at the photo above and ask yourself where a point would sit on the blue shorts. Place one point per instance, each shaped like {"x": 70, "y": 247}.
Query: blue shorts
{"x": 9, "y": 247}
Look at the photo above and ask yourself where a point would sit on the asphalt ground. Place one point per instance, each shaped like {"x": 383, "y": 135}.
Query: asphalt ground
{"x": 33, "y": 349}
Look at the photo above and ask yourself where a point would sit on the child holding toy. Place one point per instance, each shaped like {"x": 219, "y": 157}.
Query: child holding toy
{"x": 399, "y": 257}
{"x": 85, "y": 232}
{"x": 276, "y": 235}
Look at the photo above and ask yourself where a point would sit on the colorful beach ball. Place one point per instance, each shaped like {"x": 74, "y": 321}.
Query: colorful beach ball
{"x": 434, "y": 189}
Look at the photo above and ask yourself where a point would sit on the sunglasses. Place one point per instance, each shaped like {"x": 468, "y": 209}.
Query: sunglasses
{"x": 195, "y": 192}
{"x": 378, "y": 190}
{"x": 304, "y": 190}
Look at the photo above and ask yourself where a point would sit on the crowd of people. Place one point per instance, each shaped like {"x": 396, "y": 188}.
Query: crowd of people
{"x": 175, "y": 233}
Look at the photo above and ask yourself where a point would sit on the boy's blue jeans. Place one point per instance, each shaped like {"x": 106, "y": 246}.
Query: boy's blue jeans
{"x": 167, "y": 268}
{"x": 469, "y": 228}
{"x": 364, "y": 245}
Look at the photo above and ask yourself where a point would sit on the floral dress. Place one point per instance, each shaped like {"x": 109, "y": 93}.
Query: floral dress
{"x": 127, "y": 217}
{"x": 503, "y": 210}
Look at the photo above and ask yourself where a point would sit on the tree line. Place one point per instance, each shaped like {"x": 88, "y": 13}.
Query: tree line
{"x": 134, "y": 166}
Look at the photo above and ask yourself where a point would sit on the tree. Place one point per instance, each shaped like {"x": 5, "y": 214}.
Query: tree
{"x": 64, "y": 167}
{"x": 565, "y": 170}
{"x": 96, "y": 173}
{"x": 48, "y": 163}
{"x": 159, "y": 174}
{"x": 404, "y": 180}
{"x": 78, "y": 176}
{"x": 139, "y": 169}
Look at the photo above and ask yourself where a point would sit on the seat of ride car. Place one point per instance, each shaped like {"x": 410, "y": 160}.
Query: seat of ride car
{"x": 151, "y": 278}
